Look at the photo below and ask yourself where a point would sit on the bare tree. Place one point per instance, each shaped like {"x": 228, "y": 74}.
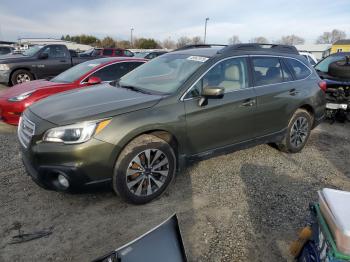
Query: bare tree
{"x": 259, "y": 40}
{"x": 197, "y": 40}
{"x": 108, "y": 42}
{"x": 291, "y": 40}
{"x": 331, "y": 37}
{"x": 169, "y": 44}
{"x": 124, "y": 44}
{"x": 234, "y": 40}
{"x": 182, "y": 41}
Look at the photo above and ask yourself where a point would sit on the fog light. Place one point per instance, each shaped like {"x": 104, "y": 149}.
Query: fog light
{"x": 63, "y": 181}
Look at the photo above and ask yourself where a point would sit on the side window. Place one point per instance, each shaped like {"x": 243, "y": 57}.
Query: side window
{"x": 287, "y": 76}
{"x": 132, "y": 65}
{"x": 267, "y": 70}
{"x": 108, "y": 52}
{"x": 299, "y": 69}
{"x": 55, "y": 51}
{"x": 231, "y": 74}
{"x": 118, "y": 52}
{"x": 96, "y": 52}
{"x": 115, "y": 71}
{"x": 127, "y": 53}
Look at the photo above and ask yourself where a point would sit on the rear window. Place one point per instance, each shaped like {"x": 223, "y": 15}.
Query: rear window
{"x": 300, "y": 70}
{"x": 267, "y": 70}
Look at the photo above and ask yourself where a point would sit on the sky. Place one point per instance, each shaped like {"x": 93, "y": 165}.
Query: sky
{"x": 173, "y": 19}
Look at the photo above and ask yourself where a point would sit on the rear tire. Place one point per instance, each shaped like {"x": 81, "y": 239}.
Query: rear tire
{"x": 144, "y": 169}
{"x": 21, "y": 76}
{"x": 298, "y": 132}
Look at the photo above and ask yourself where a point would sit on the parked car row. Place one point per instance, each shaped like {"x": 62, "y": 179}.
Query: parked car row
{"x": 15, "y": 100}
{"x": 136, "y": 133}
{"x": 48, "y": 61}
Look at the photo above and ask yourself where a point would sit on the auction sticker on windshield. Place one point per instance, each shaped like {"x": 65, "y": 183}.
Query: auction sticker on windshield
{"x": 198, "y": 58}
{"x": 93, "y": 65}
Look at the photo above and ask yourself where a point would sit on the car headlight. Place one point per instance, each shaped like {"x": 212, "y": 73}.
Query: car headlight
{"x": 4, "y": 67}
{"x": 20, "y": 97}
{"x": 76, "y": 133}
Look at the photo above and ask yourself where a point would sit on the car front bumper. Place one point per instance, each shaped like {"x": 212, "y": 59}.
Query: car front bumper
{"x": 4, "y": 76}
{"x": 82, "y": 165}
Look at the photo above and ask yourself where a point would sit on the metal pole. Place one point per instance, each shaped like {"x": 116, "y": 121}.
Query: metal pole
{"x": 205, "y": 29}
{"x": 131, "y": 30}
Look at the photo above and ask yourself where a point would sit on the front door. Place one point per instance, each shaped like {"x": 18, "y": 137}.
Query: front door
{"x": 58, "y": 61}
{"x": 226, "y": 121}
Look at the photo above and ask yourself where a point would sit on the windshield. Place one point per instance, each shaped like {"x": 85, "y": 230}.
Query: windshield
{"x": 323, "y": 65}
{"x": 33, "y": 50}
{"x": 164, "y": 74}
{"x": 75, "y": 72}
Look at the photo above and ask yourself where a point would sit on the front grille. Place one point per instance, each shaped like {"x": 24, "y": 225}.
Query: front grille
{"x": 26, "y": 129}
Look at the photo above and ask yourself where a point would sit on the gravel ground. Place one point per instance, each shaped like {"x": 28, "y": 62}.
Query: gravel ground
{"x": 244, "y": 206}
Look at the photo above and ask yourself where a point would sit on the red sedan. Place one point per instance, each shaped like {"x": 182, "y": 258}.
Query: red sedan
{"x": 17, "y": 98}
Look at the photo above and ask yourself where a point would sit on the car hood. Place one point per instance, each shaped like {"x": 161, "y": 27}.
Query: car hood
{"x": 91, "y": 103}
{"x": 28, "y": 87}
{"x": 9, "y": 58}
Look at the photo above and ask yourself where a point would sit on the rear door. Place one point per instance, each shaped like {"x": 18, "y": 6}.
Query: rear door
{"x": 276, "y": 94}
{"x": 226, "y": 121}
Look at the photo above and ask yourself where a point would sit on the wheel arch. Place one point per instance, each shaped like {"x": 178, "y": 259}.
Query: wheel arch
{"x": 161, "y": 133}
{"x": 310, "y": 110}
{"x": 21, "y": 68}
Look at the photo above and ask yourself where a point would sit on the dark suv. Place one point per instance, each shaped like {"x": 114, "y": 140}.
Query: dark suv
{"x": 179, "y": 107}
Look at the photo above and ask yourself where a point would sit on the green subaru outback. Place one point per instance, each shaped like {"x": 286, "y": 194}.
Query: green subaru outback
{"x": 186, "y": 105}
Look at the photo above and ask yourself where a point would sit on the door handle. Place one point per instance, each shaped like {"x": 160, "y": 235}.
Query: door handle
{"x": 63, "y": 60}
{"x": 248, "y": 102}
{"x": 293, "y": 92}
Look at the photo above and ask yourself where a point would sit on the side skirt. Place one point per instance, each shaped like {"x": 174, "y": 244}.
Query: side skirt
{"x": 271, "y": 138}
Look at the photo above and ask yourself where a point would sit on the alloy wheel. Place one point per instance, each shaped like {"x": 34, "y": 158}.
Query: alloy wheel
{"x": 147, "y": 172}
{"x": 21, "y": 78}
{"x": 299, "y": 131}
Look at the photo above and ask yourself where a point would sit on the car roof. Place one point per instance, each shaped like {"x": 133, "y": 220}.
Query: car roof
{"x": 225, "y": 51}
{"x": 107, "y": 60}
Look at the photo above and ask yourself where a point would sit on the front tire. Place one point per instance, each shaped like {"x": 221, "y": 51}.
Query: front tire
{"x": 298, "y": 132}
{"x": 21, "y": 76}
{"x": 144, "y": 169}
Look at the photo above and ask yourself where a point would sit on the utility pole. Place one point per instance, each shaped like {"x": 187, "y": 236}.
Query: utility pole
{"x": 131, "y": 31}
{"x": 205, "y": 29}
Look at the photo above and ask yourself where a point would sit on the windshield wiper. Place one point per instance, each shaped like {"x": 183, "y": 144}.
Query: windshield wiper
{"x": 130, "y": 87}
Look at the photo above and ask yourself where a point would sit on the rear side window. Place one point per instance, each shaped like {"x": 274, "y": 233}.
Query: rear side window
{"x": 107, "y": 51}
{"x": 128, "y": 53}
{"x": 118, "y": 52}
{"x": 267, "y": 70}
{"x": 299, "y": 70}
{"x": 116, "y": 71}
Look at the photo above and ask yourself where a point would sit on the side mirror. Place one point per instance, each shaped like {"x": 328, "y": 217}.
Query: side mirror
{"x": 94, "y": 80}
{"x": 212, "y": 93}
{"x": 44, "y": 56}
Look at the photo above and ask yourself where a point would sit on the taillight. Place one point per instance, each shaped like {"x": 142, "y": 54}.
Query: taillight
{"x": 323, "y": 85}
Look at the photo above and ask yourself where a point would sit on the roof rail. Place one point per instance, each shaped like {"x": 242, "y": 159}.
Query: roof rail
{"x": 197, "y": 46}
{"x": 261, "y": 47}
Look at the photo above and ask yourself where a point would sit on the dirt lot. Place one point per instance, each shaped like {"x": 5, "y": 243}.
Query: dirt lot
{"x": 245, "y": 206}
